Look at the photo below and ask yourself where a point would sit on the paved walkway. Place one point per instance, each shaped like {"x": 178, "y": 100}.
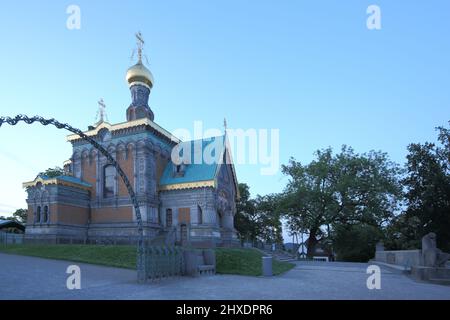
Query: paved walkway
{"x": 35, "y": 278}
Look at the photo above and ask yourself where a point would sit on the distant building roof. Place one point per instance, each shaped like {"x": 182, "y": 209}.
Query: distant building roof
{"x": 11, "y": 224}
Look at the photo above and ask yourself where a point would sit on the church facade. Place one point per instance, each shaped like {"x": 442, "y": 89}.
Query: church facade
{"x": 186, "y": 203}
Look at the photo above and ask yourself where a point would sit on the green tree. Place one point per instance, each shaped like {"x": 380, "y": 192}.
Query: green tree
{"x": 403, "y": 233}
{"x": 356, "y": 242}
{"x": 268, "y": 219}
{"x": 257, "y": 219}
{"x": 53, "y": 172}
{"x": 20, "y": 215}
{"x": 427, "y": 194}
{"x": 334, "y": 190}
{"x": 246, "y": 218}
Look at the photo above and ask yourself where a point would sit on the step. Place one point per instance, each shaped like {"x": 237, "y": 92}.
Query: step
{"x": 288, "y": 260}
{"x": 392, "y": 267}
{"x": 445, "y": 282}
{"x": 206, "y": 267}
{"x": 206, "y": 270}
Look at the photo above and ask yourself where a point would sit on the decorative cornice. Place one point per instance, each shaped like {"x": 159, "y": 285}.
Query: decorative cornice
{"x": 189, "y": 185}
{"x": 55, "y": 181}
{"x": 126, "y": 125}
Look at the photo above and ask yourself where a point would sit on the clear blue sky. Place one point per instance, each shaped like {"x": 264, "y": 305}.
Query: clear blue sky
{"x": 310, "y": 68}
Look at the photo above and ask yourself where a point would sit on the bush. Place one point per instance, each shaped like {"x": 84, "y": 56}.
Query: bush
{"x": 356, "y": 243}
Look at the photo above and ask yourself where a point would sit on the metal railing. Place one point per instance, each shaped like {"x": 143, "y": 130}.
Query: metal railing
{"x": 37, "y": 119}
{"x": 163, "y": 262}
{"x": 11, "y": 238}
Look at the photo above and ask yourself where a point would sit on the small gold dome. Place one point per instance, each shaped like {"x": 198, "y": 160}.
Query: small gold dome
{"x": 139, "y": 73}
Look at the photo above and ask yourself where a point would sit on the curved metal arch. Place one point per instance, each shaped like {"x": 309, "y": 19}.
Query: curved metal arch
{"x": 30, "y": 120}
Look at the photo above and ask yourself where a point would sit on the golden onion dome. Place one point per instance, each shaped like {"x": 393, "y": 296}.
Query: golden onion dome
{"x": 139, "y": 74}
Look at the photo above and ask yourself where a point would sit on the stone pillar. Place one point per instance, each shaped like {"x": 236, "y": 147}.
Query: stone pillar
{"x": 151, "y": 174}
{"x": 380, "y": 246}
{"x": 141, "y": 169}
{"x": 228, "y": 220}
{"x": 77, "y": 165}
{"x": 210, "y": 216}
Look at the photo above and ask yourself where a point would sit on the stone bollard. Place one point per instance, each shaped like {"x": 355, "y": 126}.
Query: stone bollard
{"x": 380, "y": 247}
{"x": 267, "y": 266}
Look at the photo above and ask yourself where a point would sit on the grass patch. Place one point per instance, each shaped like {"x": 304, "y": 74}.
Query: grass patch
{"x": 114, "y": 256}
{"x": 229, "y": 261}
{"x": 246, "y": 262}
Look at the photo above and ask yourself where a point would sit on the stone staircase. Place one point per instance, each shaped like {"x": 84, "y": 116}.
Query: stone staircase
{"x": 280, "y": 255}
{"x": 430, "y": 274}
{"x": 284, "y": 256}
{"x": 445, "y": 282}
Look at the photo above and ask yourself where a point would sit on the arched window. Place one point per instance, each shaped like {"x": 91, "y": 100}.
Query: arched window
{"x": 200, "y": 215}
{"x": 169, "y": 218}
{"x": 38, "y": 214}
{"x": 45, "y": 217}
{"x": 109, "y": 181}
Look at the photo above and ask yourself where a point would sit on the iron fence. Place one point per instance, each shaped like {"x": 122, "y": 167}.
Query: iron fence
{"x": 162, "y": 262}
{"x": 11, "y": 238}
{"x": 37, "y": 119}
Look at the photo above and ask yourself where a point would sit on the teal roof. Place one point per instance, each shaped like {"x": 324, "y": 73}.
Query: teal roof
{"x": 74, "y": 180}
{"x": 201, "y": 171}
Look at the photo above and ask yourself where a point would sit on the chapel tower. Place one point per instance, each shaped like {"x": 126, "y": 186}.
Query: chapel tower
{"x": 140, "y": 80}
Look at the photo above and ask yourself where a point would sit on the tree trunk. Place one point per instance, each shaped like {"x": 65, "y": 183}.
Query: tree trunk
{"x": 312, "y": 242}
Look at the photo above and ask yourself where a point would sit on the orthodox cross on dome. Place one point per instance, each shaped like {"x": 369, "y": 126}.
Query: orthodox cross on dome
{"x": 140, "y": 47}
{"x": 101, "y": 113}
{"x": 140, "y": 44}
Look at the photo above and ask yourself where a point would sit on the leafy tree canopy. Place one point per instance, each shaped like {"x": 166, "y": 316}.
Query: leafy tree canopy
{"x": 53, "y": 172}
{"x": 427, "y": 185}
{"x": 339, "y": 189}
{"x": 20, "y": 215}
{"x": 257, "y": 219}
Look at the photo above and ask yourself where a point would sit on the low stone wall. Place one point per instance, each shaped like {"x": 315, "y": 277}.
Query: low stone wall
{"x": 406, "y": 258}
{"x": 429, "y": 273}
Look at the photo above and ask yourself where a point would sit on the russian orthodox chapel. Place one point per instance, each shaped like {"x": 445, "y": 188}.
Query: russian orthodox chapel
{"x": 190, "y": 203}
